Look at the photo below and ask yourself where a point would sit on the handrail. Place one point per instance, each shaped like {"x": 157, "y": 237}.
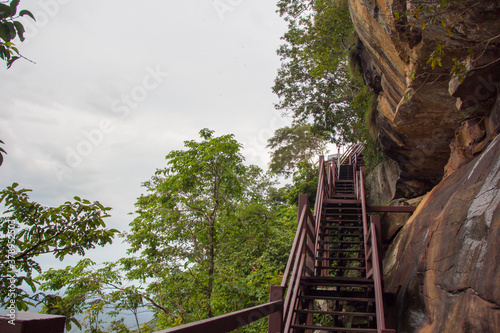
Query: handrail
{"x": 301, "y": 258}
{"x": 229, "y": 322}
{"x": 362, "y": 195}
{"x": 372, "y": 261}
{"x": 352, "y": 151}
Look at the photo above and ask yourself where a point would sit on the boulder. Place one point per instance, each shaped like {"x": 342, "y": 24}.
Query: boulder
{"x": 443, "y": 266}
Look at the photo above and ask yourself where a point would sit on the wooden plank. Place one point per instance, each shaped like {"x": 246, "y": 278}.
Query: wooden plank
{"x": 341, "y": 299}
{"x": 228, "y": 322}
{"x": 343, "y": 201}
{"x": 339, "y": 313}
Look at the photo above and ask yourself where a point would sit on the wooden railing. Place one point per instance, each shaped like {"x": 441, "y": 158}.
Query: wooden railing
{"x": 372, "y": 242}
{"x": 351, "y": 155}
{"x": 231, "y": 321}
{"x": 300, "y": 263}
{"x": 280, "y": 309}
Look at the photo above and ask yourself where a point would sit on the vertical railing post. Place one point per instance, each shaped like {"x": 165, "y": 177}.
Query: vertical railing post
{"x": 308, "y": 241}
{"x": 276, "y": 319}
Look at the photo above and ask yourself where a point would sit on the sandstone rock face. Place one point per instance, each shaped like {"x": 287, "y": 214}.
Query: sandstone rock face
{"x": 420, "y": 108}
{"x": 391, "y": 223}
{"x": 471, "y": 138}
{"x": 381, "y": 184}
{"x": 444, "y": 264}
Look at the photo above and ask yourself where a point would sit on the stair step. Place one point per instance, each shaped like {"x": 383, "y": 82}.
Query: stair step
{"x": 337, "y": 279}
{"x": 341, "y": 299}
{"x": 342, "y": 201}
{"x": 342, "y": 195}
{"x": 338, "y": 285}
{"x": 344, "y": 250}
{"x": 341, "y": 227}
{"x": 323, "y": 234}
{"x": 340, "y": 259}
{"x": 340, "y": 242}
{"x": 339, "y": 313}
{"x": 340, "y": 292}
{"x": 334, "y": 329}
{"x": 346, "y": 268}
{"x": 342, "y": 222}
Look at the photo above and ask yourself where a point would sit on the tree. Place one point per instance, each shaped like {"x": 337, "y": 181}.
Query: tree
{"x": 202, "y": 230}
{"x": 210, "y": 237}
{"x": 30, "y": 230}
{"x": 91, "y": 290}
{"x": 292, "y": 145}
{"x": 187, "y": 215}
{"x": 313, "y": 83}
{"x": 10, "y": 29}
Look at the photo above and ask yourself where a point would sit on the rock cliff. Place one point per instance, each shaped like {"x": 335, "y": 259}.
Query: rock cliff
{"x": 443, "y": 266}
{"x": 421, "y": 108}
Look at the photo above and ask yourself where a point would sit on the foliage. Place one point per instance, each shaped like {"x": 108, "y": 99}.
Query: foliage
{"x": 444, "y": 14}
{"x": 319, "y": 82}
{"x": 30, "y": 230}
{"x": 292, "y": 145}
{"x": 2, "y": 151}
{"x": 305, "y": 181}
{"x": 211, "y": 236}
{"x": 206, "y": 236}
{"x": 91, "y": 291}
{"x": 10, "y": 29}
{"x": 313, "y": 83}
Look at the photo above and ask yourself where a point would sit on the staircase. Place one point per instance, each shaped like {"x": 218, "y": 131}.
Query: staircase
{"x": 332, "y": 281}
{"x": 340, "y": 295}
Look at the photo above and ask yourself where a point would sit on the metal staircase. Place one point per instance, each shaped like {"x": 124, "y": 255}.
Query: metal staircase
{"x": 339, "y": 297}
{"x": 332, "y": 281}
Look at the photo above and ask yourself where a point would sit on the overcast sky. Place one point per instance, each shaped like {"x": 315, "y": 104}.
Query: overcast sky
{"x": 119, "y": 84}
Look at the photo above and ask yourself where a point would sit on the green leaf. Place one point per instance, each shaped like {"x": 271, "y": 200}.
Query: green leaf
{"x": 27, "y": 12}
{"x": 4, "y": 11}
{"x": 11, "y": 61}
{"x": 13, "y": 7}
{"x": 20, "y": 30}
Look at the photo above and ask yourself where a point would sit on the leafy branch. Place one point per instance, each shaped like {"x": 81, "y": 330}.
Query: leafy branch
{"x": 10, "y": 29}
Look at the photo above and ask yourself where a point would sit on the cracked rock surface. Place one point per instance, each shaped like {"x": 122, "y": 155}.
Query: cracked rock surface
{"x": 444, "y": 265}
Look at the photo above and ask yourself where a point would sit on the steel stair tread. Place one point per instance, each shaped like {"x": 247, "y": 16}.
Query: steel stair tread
{"x": 337, "y": 279}
{"x": 338, "y": 285}
{"x": 341, "y": 227}
{"x": 341, "y": 299}
{"x": 339, "y": 259}
{"x": 339, "y": 313}
{"x": 341, "y": 242}
{"x": 334, "y": 329}
{"x": 345, "y": 268}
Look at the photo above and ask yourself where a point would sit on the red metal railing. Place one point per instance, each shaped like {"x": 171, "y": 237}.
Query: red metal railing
{"x": 372, "y": 241}
{"x": 301, "y": 260}
{"x": 351, "y": 155}
{"x": 300, "y": 263}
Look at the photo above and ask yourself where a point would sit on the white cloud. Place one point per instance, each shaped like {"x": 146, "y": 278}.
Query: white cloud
{"x": 91, "y": 53}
